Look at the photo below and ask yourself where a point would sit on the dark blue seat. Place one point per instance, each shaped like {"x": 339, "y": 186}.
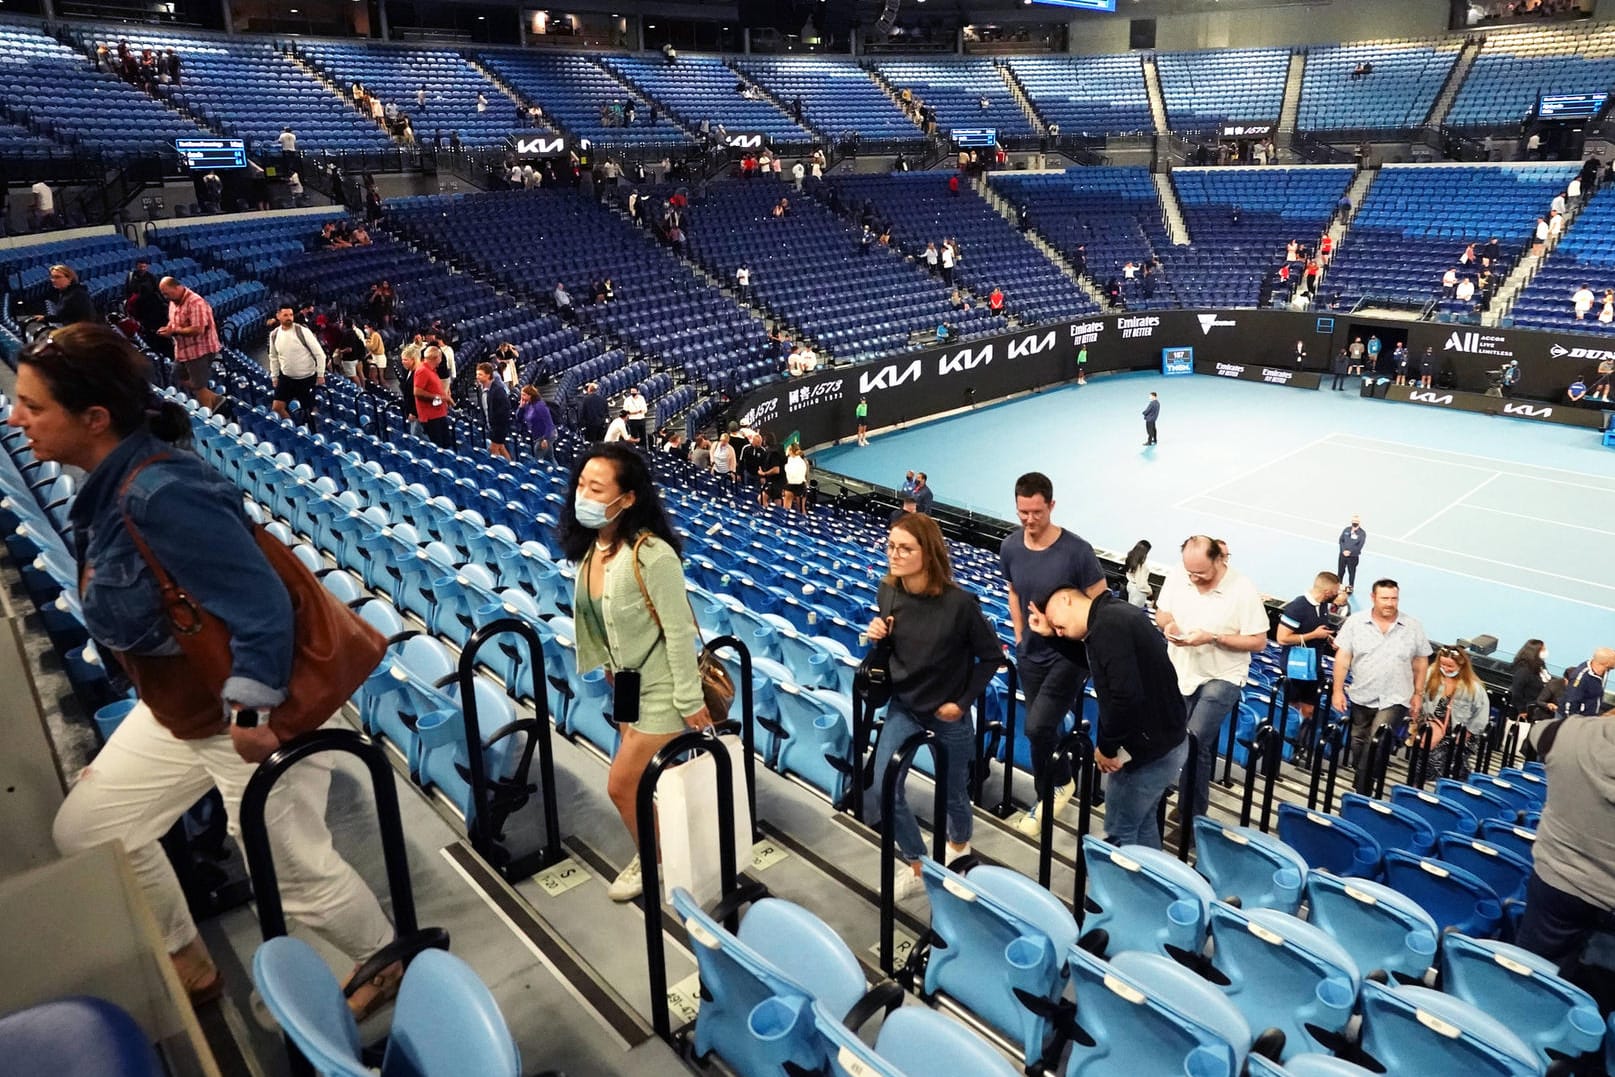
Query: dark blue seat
{"x": 79, "y": 1035}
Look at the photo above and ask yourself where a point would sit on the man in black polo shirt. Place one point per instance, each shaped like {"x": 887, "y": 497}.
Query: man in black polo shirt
{"x": 1304, "y": 622}
{"x": 1143, "y": 724}
{"x": 1584, "y": 693}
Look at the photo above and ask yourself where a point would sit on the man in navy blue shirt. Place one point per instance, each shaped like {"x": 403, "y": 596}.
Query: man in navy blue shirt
{"x": 1304, "y": 622}
{"x": 1352, "y": 539}
{"x": 1152, "y": 411}
{"x": 923, "y": 497}
{"x": 1584, "y": 694}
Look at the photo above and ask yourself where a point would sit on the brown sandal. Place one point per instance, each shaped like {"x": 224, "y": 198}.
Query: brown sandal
{"x": 197, "y": 973}
{"x": 372, "y": 994}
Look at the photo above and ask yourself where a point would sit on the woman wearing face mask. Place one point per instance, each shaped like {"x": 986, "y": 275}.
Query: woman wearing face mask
{"x": 1530, "y": 670}
{"x": 613, "y": 526}
{"x": 1454, "y": 699}
{"x": 943, "y": 654}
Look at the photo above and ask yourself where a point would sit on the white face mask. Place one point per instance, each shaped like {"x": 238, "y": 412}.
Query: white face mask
{"x": 1449, "y": 673}
{"x": 1543, "y": 654}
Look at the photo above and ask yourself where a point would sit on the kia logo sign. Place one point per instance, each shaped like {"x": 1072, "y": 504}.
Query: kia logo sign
{"x": 889, "y": 377}
{"x": 1528, "y": 411}
{"x": 1031, "y": 344}
{"x": 745, "y": 141}
{"x": 965, "y": 359}
{"x": 538, "y": 147}
{"x": 1427, "y": 397}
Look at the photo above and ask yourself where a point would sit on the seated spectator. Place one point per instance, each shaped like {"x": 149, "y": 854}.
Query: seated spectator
{"x": 942, "y": 332}
{"x": 1465, "y": 292}
{"x": 618, "y": 430}
{"x": 995, "y": 300}
{"x": 563, "y": 301}
{"x": 1577, "y": 391}
{"x": 1606, "y": 313}
{"x": 71, "y": 303}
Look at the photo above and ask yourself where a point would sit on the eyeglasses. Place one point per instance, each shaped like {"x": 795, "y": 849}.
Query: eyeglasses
{"x": 895, "y": 550}
{"x": 43, "y": 345}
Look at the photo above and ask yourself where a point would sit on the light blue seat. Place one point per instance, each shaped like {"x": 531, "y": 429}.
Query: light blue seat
{"x": 913, "y": 1042}
{"x": 1305, "y": 1066}
{"x": 1548, "y": 1013}
{"x": 1146, "y": 1014}
{"x": 1284, "y": 973}
{"x": 1441, "y": 814}
{"x": 1380, "y": 928}
{"x": 1144, "y": 899}
{"x": 1482, "y": 803}
{"x": 1416, "y": 1030}
{"x": 457, "y": 600}
{"x": 589, "y": 713}
{"x": 343, "y": 586}
{"x": 1393, "y": 826}
{"x": 445, "y": 1021}
{"x": 405, "y": 687}
{"x": 418, "y": 575}
{"x": 1519, "y": 796}
{"x": 1002, "y": 939}
{"x": 816, "y": 744}
{"x": 1454, "y": 898}
{"x": 1328, "y": 842}
{"x": 1244, "y": 863}
{"x": 1499, "y": 868}
{"x": 759, "y": 985}
{"x": 811, "y": 665}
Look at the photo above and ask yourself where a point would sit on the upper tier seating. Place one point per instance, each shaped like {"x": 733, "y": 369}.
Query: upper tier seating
{"x": 1417, "y": 218}
{"x": 806, "y": 268}
{"x": 703, "y": 88}
{"x": 921, "y": 210}
{"x": 838, "y": 97}
{"x": 571, "y": 89}
{"x": 1204, "y": 89}
{"x": 1227, "y": 261}
{"x": 1585, "y": 255}
{"x": 54, "y": 86}
{"x": 1087, "y": 95}
{"x": 955, "y": 88}
{"x": 1398, "y": 92}
{"x": 1114, "y": 212}
{"x": 1514, "y": 66}
{"x": 252, "y": 91}
{"x": 529, "y": 240}
{"x": 397, "y": 75}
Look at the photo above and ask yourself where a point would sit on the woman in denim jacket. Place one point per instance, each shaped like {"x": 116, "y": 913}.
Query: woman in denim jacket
{"x": 612, "y": 520}
{"x": 84, "y": 399}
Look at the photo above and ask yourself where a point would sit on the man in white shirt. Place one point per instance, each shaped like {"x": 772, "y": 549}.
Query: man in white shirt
{"x": 798, "y": 174}
{"x": 810, "y": 360}
{"x": 1386, "y": 654}
{"x": 296, "y": 366}
{"x": 793, "y": 362}
{"x": 448, "y": 368}
{"x": 287, "y": 140}
{"x": 42, "y": 207}
{"x": 1583, "y": 299}
{"x": 1449, "y": 281}
{"x": 1214, "y": 619}
{"x": 1556, "y": 225}
{"x": 618, "y": 430}
{"x": 1466, "y": 290}
{"x": 482, "y": 102}
{"x": 947, "y": 263}
{"x": 634, "y": 407}
{"x": 743, "y": 280}
{"x": 1558, "y": 205}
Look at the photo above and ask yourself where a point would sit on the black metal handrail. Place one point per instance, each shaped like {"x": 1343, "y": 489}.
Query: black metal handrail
{"x": 1419, "y": 757}
{"x": 494, "y": 800}
{"x": 694, "y": 742}
{"x": 1012, "y": 687}
{"x": 1076, "y": 751}
{"x": 748, "y": 719}
{"x": 897, "y": 768}
{"x": 1378, "y": 760}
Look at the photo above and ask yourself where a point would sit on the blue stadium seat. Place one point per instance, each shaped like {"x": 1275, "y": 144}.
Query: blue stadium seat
{"x": 913, "y": 1042}
{"x": 1417, "y": 1030}
{"x": 1329, "y": 843}
{"x": 1382, "y": 929}
{"x": 1242, "y": 862}
{"x": 1548, "y": 1013}
{"x": 1453, "y": 897}
{"x": 1144, "y": 899}
{"x": 1392, "y": 825}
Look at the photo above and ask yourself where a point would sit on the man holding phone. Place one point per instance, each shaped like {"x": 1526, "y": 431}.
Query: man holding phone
{"x": 1214, "y": 619}
{"x": 1143, "y": 726}
{"x": 1304, "y": 622}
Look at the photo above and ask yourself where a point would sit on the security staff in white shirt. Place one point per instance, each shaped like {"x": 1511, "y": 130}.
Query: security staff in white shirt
{"x": 296, "y": 366}
{"x": 634, "y": 409}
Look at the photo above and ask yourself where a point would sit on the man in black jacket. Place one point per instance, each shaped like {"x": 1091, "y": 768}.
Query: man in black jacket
{"x": 592, "y": 413}
{"x": 1143, "y": 727}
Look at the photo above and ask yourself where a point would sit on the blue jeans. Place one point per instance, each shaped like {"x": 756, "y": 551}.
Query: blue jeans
{"x": 1132, "y": 798}
{"x": 958, "y": 741}
{"x": 1209, "y": 706}
{"x": 1052, "y": 692}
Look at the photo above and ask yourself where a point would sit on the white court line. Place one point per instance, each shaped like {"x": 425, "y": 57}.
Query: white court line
{"x": 1541, "y": 520}
{"x": 1267, "y": 463}
{"x": 1475, "y": 467}
{"x": 1497, "y": 463}
{"x": 1493, "y": 477}
{"x": 1254, "y": 508}
{"x": 1448, "y": 568}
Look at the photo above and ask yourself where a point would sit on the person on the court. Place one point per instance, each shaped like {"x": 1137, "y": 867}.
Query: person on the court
{"x": 1039, "y": 560}
{"x": 1352, "y": 538}
{"x": 1213, "y": 617}
{"x": 1387, "y": 656}
{"x": 1304, "y": 622}
{"x": 1152, "y": 411}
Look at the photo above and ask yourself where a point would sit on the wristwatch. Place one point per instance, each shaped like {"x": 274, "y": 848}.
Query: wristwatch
{"x": 247, "y": 717}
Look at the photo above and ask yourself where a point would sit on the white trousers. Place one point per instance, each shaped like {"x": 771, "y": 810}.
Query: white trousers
{"x": 146, "y": 778}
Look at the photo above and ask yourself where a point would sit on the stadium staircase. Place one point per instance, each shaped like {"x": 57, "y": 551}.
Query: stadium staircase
{"x": 1018, "y": 92}
{"x": 510, "y": 91}
{"x": 1525, "y": 271}
{"x": 344, "y": 93}
{"x": 1152, "y": 83}
{"x": 1455, "y": 80}
{"x": 1172, "y": 212}
{"x": 772, "y": 98}
{"x": 1002, "y": 207}
{"x": 1284, "y": 135}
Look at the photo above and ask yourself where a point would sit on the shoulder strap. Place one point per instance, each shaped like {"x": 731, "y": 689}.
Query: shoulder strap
{"x": 639, "y": 578}
{"x": 184, "y": 616}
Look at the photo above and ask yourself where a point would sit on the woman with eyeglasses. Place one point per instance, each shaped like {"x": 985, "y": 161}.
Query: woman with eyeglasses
{"x": 633, "y": 618}
{"x": 943, "y": 653}
{"x": 70, "y": 303}
{"x": 84, "y": 398}
{"x": 1454, "y": 699}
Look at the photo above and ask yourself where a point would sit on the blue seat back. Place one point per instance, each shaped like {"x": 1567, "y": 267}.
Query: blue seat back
{"x": 1482, "y": 803}
{"x": 1440, "y": 813}
{"x": 1328, "y": 842}
{"x": 1305, "y": 1066}
{"x": 305, "y": 999}
{"x": 1519, "y": 840}
{"x": 1454, "y": 898}
{"x": 1417, "y": 1030}
{"x": 914, "y": 1042}
{"x": 447, "y": 1022}
{"x": 1393, "y": 826}
{"x": 1144, "y": 899}
{"x": 1549, "y": 1013}
{"x": 1257, "y": 868}
{"x": 1380, "y": 928}
{"x": 1501, "y": 869}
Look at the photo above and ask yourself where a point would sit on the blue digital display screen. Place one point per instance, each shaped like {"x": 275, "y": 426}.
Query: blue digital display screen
{"x": 1567, "y": 106}
{"x": 1326, "y": 325}
{"x": 974, "y": 137}
{"x": 1085, "y": 5}
{"x": 212, "y": 152}
{"x": 1177, "y": 361}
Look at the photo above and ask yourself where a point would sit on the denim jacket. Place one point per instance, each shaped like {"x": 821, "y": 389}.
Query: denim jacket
{"x": 192, "y": 519}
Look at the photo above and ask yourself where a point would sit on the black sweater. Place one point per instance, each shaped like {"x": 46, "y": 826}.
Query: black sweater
{"x": 1140, "y": 708}
{"x": 943, "y": 649}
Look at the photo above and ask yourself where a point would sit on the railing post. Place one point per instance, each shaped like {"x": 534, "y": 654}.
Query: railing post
{"x": 1185, "y": 801}
{"x": 697, "y": 742}
{"x": 1006, "y": 803}
{"x": 1255, "y": 758}
{"x": 896, "y": 771}
{"x": 748, "y": 719}
{"x": 1228, "y": 749}
{"x": 1341, "y": 745}
{"x": 1378, "y": 760}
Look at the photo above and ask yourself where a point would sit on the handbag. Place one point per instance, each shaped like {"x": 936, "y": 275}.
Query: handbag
{"x": 688, "y": 829}
{"x": 334, "y": 650}
{"x": 1301, "y": 664}
{"x": 717, "y": 687}
{"x": 873, "y": 680}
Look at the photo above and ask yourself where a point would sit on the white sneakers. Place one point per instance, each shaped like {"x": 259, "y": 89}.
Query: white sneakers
{"x": 1063, "y": 795}
{"x": 628, "y": 884}
{"x": 906, "y": 882}
{"x": 1031, "y": 823}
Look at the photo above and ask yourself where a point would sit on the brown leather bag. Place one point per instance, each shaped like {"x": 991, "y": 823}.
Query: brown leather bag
{"x": 335, "y": 650}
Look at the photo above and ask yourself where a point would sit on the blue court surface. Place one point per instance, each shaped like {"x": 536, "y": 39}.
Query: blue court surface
{"x": 1489, "y": 525}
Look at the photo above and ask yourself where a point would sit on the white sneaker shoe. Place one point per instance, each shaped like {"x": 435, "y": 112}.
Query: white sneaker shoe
{"x": 628, "y": 884}
{"x": 955, "y": 852}
{"x": 906, "y": 883}
{"x": 1063, "y": 795}
{"x": 1030, "y": 824}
